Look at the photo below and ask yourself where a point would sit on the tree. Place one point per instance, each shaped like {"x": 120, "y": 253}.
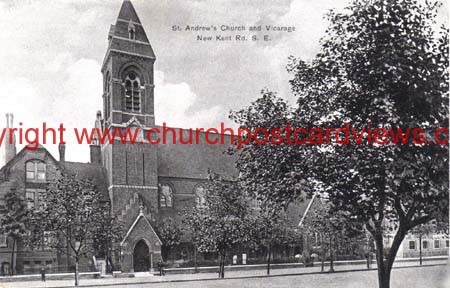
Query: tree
{"x": 14, "y": 221}
{"x": 222, "y": 221}
{"x": 192, "y": 223}
{"x": 68, "y": 220}
{"x": 272, "y": 172}
{"x": 108, "y": 234}
{"x": 329, "y": 227}
{"x": 170, "y": 234}
{"x": 270, "y": 227}
{"x": 381, "y": 65}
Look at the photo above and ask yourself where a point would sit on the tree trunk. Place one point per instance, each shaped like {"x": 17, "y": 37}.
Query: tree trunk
{"x": 223, "y": 265}
{"x": 195, "y": 259}
{"x": 323, "y": 261}
{"x": 111, "y": 264}
{"x": 385, "y": 266}
{"x": 76, "y": 271}
{"x": 107, "y": 265}
{"x": 383, "y": 278}
{"x": 67, "y": 252}
{"x": 220, "y": 264}
{"x": 269, "y": 251}
{"x": 164, "y": 253}
{"x": 12, "y": 257}
{"x": 331, "y": 256}
{"x": 323, "y": 255}
{"x": 420, "y": 249}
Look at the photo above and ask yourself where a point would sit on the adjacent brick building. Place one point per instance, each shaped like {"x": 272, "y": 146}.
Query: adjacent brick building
{"x": 144, "y": 182}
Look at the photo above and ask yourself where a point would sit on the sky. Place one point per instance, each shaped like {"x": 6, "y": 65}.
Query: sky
{"x": 52, "y": 51}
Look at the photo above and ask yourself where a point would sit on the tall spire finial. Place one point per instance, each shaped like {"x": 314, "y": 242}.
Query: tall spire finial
{"x": 127, "y": 12}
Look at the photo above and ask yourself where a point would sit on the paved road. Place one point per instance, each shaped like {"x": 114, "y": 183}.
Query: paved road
{"x": 417, "y": 277}
{"x": 252, "y": 278}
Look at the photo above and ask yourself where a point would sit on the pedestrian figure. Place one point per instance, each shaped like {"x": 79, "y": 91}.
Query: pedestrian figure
{"x": 161, "y": 269}
{"x": 43, "y": 274}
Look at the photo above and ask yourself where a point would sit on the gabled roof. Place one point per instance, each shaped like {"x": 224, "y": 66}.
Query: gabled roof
{"x": 95, "y": 173}
{"x": 308, "y": 208}
{"x": 25, "y": 150}
{"x": 297, "y": 209}
{"x": 142, "y": 217}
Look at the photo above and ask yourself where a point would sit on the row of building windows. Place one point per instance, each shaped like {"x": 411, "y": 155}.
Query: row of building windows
{"x": 36, "y": 171}
{"x": 48, "y": 238}
{"x": 166, "y": 196}
{"x": 425, "y": 244}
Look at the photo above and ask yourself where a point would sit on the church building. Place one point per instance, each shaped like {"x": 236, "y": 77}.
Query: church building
{"x": 144, "y": 182}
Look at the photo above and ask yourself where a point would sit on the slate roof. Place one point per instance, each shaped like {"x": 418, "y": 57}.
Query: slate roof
{"x": 96, "y": 173}
{"x": 119, "y": 34}
{"x": 127, "y": 12}
{"x": 297, "y": 210}
{"x": 194, "y": 160}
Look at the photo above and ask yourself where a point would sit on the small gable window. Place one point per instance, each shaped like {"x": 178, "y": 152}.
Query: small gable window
{"x": 132, "y": 85}
{"x": 165, "y": 196}
{"x": 131, "y": 31}
{"x": 36, "y": 171}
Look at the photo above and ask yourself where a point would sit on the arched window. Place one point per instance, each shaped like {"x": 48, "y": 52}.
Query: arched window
{"x": 132, "y": 86}
{"x": 132, "y": 34}
{"x": 200, "y": 200}
{"x": 131, "y": 31}
{"x": 165, "y": 196}
{"x": 36, "y": 170}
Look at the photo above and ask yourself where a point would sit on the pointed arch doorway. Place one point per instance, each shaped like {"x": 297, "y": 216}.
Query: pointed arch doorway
{"x": 141, "y": 257}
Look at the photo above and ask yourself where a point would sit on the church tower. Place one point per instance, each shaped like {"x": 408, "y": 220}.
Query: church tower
{"x": 128, "y": 104}
{"x": 128, "y": 72}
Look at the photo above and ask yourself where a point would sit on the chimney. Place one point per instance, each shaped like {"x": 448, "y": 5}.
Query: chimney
{"x": 96, "y": 154}
{"x": 62, "y": 152}
{"x": 10, "y": 140}
{"x": 96, "y": 151}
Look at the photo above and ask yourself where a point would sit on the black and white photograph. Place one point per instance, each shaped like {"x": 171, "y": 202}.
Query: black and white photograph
{"x": 224, "y": 143}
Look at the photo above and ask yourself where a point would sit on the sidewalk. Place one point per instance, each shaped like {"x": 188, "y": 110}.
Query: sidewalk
{"x": 147, "y": 278}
